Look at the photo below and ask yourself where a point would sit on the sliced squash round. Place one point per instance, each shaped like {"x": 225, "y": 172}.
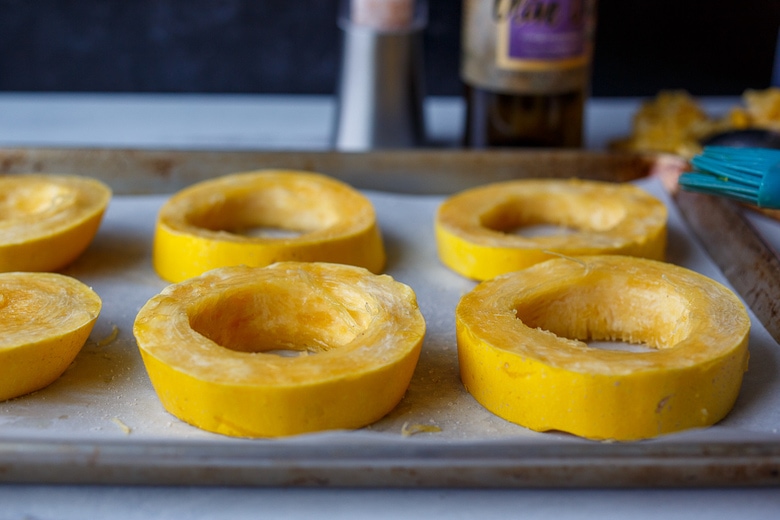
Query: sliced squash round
{"x": 45, "y": 319}
{"x": 258, "y": 218}
{"x": 480, "y": 231}
{"x": 286, "y": 349}
{"x": 47, "y": 221}
{"x": 522, "y": 346}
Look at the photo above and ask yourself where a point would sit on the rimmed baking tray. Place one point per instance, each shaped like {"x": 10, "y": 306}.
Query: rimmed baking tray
{"x": 101, "y": 421}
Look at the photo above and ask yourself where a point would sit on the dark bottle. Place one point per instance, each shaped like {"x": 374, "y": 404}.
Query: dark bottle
{"x": 526, "y": 70}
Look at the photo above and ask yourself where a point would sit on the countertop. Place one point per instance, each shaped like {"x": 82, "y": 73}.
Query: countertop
{"x": 290, "y": 123}
{"x": 239, "y": 122}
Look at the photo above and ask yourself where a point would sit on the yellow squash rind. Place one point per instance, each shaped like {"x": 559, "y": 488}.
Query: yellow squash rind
{"x": 474, "y": 228}
{"x": 522, "y": 352}
{"x": 45, "y": 319}
{"x": 210, "y": 346}
{"x": 47, "y": 221}
{"x": 203, "y": 227}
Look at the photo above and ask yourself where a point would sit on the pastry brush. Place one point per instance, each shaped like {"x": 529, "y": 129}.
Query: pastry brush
{"x": 749, "y": 175}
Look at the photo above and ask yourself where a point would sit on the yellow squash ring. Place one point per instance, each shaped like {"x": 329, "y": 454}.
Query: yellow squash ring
{"x": 474, "y": 229}
{"x": 47, "y": 221}
{"x": 210, "y": 345}
{"x": 45, "y": 319}
{"x": 208, "y": 225}
{"x": 522, "y": 352}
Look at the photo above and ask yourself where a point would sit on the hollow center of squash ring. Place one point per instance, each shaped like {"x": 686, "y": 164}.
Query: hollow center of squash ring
{"x": 268, "y": 213}
{"x": 32, "y": 199}
{"x": 281, "y": 320}
{"x": 553, "y": 214}
{"x": 652, "y": 317}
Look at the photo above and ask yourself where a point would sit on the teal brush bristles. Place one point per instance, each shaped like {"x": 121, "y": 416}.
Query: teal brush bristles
{"x": 750, "y": 175}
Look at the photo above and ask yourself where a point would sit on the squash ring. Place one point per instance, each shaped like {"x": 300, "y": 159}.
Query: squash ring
{"x": 46, "y": 318}
{"x": 47, "y": 221}
{"x": 204, "y": 226}
{"x": 474, "y": 228}
{"x": 209, "y": 346}
{"x": 517, "y": 360}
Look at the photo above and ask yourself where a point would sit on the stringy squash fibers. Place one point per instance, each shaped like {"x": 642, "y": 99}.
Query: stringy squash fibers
{"x": 479, "y": 232}
{"x": 213, "y": 347}
{"x": 258, "y": 218}
{"x": 521, "y": 346}
{"x": 47, "y": 221}
{"x": 45, "y": 319}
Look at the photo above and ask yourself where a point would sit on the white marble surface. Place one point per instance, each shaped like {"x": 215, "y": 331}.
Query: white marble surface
{"x": 232, "y": 122}
{"x": 82, "y": 503}
{"x": 235, "y": 122}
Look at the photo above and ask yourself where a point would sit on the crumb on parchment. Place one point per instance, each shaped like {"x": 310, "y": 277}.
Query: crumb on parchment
{"x": 125, "y": 428}
{"x": 407, "y": 430}
{"x": 110, "y": 338}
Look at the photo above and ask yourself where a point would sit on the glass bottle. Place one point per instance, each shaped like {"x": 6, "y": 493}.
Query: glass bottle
{"x": 526, "y": 69}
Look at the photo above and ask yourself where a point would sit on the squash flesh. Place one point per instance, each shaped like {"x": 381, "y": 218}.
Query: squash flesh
{"x": 47, "y": 221}
{"x": 476, "y": 229}
{"x": 523, "y": 352}
{"x": 207, "y": 345}
{"x": 259, "y": 218}
{"x": 46, "y": 318}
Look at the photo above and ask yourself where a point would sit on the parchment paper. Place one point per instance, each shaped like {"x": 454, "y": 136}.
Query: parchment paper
{"x": 106, "y": 394}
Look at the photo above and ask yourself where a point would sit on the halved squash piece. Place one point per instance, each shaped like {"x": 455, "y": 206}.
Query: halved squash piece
{"x": 479, "y": 232}
{"x": 291, "y": 348}
{"x": 523, "y": 352}
{"x": 45, "y": 319}
{"x": 47, "y": 221}
{"x": 258, "y": 218}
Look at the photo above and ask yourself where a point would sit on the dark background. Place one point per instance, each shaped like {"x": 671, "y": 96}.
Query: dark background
{"x": 717, "y": 47}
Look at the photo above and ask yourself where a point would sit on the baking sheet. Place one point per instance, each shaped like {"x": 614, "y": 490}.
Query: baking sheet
{"x": 743, "y": 244}
{"x": 101, "y": 421}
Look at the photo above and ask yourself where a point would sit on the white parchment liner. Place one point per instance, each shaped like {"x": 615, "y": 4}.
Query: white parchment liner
{"x": 106, "y": 394}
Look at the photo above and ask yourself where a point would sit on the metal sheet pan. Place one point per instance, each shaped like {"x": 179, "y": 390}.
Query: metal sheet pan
{"x": 416, "y": 171}
{"x": 749, "y": 262}
{"x": 101, "y": 422}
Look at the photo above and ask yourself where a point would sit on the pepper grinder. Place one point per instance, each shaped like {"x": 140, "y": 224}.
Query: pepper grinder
{"x": 380, "y": 88}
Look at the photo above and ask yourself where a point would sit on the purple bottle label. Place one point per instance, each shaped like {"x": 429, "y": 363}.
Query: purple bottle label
{"x": 542, "y": 33}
